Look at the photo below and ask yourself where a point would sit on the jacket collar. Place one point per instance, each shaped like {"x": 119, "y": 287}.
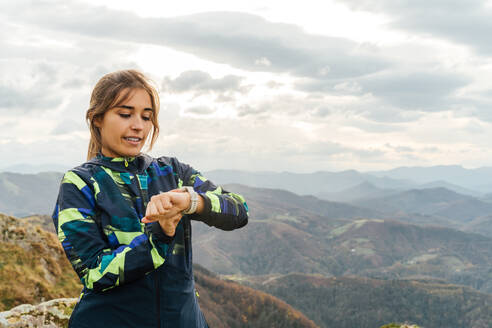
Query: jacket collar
{"x": 137, "y": 164}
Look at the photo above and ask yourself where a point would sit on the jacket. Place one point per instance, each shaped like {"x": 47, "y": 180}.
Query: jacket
{"x": 134, "y": 275}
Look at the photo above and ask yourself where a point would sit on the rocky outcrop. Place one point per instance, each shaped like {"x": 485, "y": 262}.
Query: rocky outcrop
{"x": 51, "y": 314}
{"x": 33, "y": 265}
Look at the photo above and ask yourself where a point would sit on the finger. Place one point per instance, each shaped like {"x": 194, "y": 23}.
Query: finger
{"x": 179, "y": 199}
{"x": 163, "y": 216}
{"x": 169, "y": 226}
{"x": 151, "y": 209}
{"x": 166, "y": 202}
{"x": 145, "y": 220}
{"x": 163, "y": 199}
{"x": 149, "y": 219}
{"x": 159, "y": 206}
{"x": 175, "y": 219}
{"x": 173, "y": 212}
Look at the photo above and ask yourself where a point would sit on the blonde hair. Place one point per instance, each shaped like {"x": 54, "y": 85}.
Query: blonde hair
{"x": 107, "y": 90}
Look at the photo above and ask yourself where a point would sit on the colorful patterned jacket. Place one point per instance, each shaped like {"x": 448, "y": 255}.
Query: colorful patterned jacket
{"x": 133, "y": 274}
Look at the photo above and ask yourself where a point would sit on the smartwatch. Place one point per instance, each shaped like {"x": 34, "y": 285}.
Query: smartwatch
{"x": 193, "y": 198}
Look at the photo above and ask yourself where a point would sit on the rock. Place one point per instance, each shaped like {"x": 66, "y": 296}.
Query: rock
{"x": 51, "y": 314}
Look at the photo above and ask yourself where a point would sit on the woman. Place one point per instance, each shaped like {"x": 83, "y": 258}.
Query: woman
{"x": 123, "y": 217}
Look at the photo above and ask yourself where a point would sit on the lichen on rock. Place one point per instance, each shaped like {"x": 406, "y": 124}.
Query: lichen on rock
{"x": 51, "y": 314}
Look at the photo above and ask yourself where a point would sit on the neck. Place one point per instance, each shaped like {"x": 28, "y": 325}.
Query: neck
{"x": 100, "y": 153}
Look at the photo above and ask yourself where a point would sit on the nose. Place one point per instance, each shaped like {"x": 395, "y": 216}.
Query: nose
{"x": 137, "y": 124}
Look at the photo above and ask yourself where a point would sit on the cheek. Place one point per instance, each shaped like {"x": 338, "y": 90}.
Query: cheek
{"x": 148, "y": 129}
{"x": 109, "y": 135}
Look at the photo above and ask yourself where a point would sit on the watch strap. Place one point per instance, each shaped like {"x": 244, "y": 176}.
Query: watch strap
{"x": 193, "y": 200}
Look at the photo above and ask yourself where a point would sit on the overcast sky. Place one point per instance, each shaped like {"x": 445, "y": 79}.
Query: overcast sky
{"x": 257, "y": 85}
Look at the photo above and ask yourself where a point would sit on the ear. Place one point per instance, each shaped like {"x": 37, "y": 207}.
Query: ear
{"x": 97, "y": 121}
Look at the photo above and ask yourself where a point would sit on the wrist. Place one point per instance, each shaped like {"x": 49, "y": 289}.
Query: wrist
{"x": 193, "y": 200}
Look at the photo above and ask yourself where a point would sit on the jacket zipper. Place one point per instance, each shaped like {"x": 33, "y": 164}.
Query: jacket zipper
{"x": 158, "y": 299}
{"x": 156, "y": 276}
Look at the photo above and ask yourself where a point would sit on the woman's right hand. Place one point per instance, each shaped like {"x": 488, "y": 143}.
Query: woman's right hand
{"x": 166, "y": 208}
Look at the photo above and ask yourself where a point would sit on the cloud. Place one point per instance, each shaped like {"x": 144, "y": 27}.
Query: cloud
{"x": 251, "y": 111}
{"x": 415, "y": 90}
{"x": 403, "y": 90}
{"x": 68, "y": 125}
{"x": 200, "y": 110}
{"x": 201, "y": 82}
{"x": 274, "y": 84}
{"x": 43, "y": 69}
{"x": 462, "y": 22}
{"x": 243, "y": 40}
{"x": 26, "y": 100}
{"x": 73, "y": 83}
{"x": 28, "y": 86}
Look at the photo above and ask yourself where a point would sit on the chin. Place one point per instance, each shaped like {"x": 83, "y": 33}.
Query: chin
{"x": 134, "y": 153}
{"x": 131, "y": 154}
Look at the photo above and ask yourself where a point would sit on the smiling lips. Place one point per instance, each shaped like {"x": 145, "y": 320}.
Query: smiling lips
{"x": 133, "y": 140}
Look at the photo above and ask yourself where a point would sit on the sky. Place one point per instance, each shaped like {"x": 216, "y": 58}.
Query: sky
{"x": 255, "y": 85}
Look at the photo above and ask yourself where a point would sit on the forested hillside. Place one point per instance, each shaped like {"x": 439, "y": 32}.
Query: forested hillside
{"x": 288, "y": 233}
{"x": 347, "y": 302}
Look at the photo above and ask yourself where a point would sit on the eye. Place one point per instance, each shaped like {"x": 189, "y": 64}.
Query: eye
{"x": 146, "y": 118}
{"x": 124, "y": 115}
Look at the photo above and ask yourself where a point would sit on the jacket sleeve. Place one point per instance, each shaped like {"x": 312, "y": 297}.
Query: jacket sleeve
{"x": 222, "y": 209}
{"x": 99, "y": 266}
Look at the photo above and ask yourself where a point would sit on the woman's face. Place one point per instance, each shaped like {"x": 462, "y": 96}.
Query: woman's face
{"x": 124, "y": 128}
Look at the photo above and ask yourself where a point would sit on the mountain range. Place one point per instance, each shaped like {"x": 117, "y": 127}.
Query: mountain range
{"x": 38, "y": 270}
{"x": 466, "y": 181}
{"x": 437, "y": 202}
{"x": 296, "y": 237}
{"x": 425, "y": 239}
{"x": 28, "y": 194}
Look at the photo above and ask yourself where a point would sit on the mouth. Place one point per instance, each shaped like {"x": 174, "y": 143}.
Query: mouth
{"x": 133, "y": 140}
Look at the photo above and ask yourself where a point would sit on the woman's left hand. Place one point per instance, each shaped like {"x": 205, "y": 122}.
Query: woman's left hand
{"x": 167, "y": 208}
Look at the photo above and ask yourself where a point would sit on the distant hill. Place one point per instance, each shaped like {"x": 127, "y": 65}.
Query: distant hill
{"x": 487, "y": 198}
{"x": 292, "y": 228}
{"x": 347, "y": 302}
{"x": 481, "y": 225}
{"x": 264, "y": 201}
{"x": 33, "y": 268}
{"x": 298, "y": 232}
{"x": 439, "y": 202}
{"x": 474, "y": 179}
{"x": 34, "y": 169}
{"x": 360, "y": 191}
{"x": 306, "y": 183}
{"x": 310, "y": 243}
{"x": 28, "y": 194}
{"x": 31, "y": 194}
{"x": 393, "y": 250}
{"x": 450, "y": 186}
{"x": 227, "y": 304}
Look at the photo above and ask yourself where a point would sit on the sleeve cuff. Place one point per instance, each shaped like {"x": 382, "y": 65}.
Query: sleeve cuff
{"x": 207, "y": 208}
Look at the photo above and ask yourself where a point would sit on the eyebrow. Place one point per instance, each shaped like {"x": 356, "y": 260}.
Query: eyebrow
{"x": 132, "y": 108}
